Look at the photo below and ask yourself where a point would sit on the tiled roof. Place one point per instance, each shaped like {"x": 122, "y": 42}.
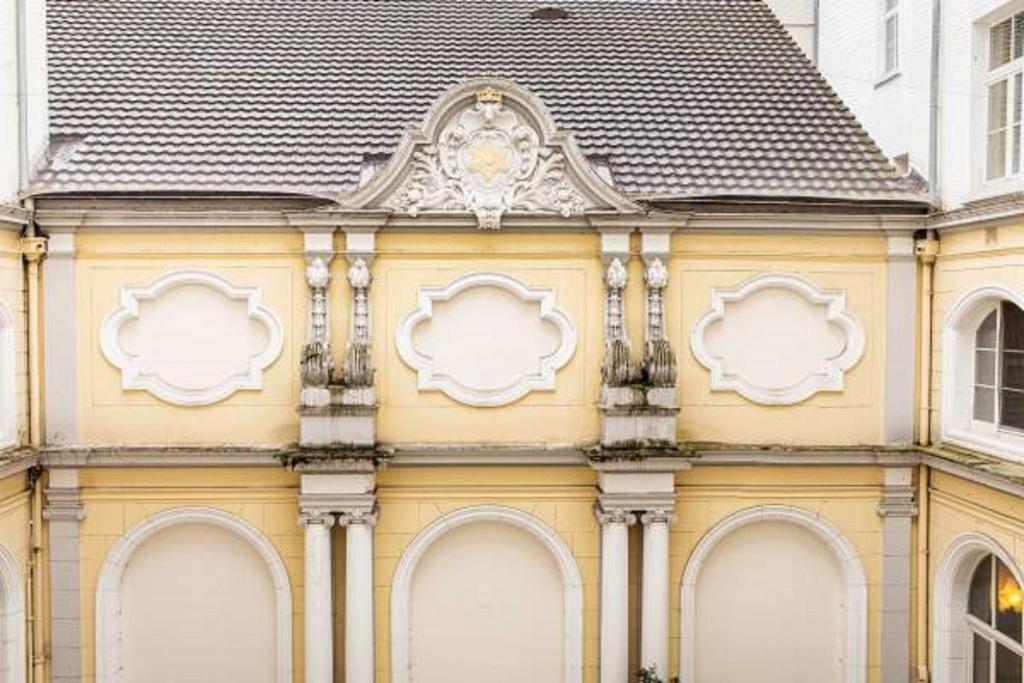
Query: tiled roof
{"x": 683, "y": 99}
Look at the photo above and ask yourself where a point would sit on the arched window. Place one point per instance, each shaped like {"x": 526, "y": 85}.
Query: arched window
{"x": 995, "y": 623}
{"x": 983, "y": 372}
{"x": 999, "y": 368}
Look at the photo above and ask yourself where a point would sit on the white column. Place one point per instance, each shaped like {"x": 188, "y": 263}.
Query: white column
{"x": 655, "y": 599}
{"x": 319, "y": 635}
{"x": 614, "y": 661}
{"x": 359, "y": 662}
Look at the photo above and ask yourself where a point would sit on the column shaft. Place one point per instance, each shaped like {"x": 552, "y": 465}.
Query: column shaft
{"x": 614, "y": 598}
{"x": 319, "y": 633}
{"x": 359, "y": 656}
{"x": 655, "y": 598}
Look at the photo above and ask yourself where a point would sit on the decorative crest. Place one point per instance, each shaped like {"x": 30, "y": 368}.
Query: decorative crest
{"x": 489, "y": 147}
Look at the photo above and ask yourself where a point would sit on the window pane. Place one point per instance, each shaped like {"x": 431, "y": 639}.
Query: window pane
{"x": 979, "y": 601}
{"x": 1018, "y": 36}
{"x": 1008, "y": 669}
{"x": 996, "y": 167}
{"x": 985, "y": 368}
{"x": 997, "y": 104}
{"x": 997, "y": 93}
{"x": 1011, "y": 409}
{"x": 891, "y": 43}
{"x": 982, "y": 665}
{"x": 1008, "y": 604}
{"x": 985, "y": 337}
{"x": 984, "y": 404}
{"x": 1013, "y": 370}
{"x": 1018, "y": 86}
{"x": 999, "y": 44}
{"x": 1013, "y": 327}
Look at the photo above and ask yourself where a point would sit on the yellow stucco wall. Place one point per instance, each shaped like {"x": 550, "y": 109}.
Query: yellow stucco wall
{"x": 405, "y": 261}
{"x": 969, "y": 260}
{"x": 959, "y": 506}
{"x": 845, "y": 497}
{"x": 701, "y": 262}
{"x": 117, "y": 500}
{"x": 105, "y": 262}
{"x": 12, "y": 298}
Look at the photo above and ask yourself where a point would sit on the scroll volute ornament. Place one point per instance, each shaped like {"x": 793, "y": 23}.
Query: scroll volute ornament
{"x": 358, "y": 369}
{"x": 617, "y": 368}
{"x": 316, "y": 360}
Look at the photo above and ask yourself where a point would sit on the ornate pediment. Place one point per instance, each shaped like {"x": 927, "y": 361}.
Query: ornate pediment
{"x": 489, "y": 148}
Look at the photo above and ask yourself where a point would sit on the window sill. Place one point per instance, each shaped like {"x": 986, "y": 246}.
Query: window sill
{"x": 1000, "y": 444}
{"x": 888, "y": 78}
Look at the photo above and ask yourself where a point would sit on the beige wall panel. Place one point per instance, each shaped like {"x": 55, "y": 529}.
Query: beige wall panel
{"x": 850, "y": 417}
{"x": 770, "y": 578}
{"x": 110, "y": 415}
{"x": 567, "y": 263}
{"x": 411, "y": 498}
{"x": 487, "y": 601}
{"x": 15, "y": 518}
{"x": 117, "y": 500}
{"x": 197, "y": 604}
{"x": 968, "y": 260}
{"x": 847, "y": 498}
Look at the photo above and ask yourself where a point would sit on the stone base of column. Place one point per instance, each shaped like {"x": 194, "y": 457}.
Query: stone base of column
{"x": 347, "y": 420}
{"x": 638, "y": 416}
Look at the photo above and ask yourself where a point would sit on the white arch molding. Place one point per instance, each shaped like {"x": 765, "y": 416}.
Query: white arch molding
{"x": 855, "y": 606}
{"x": 951, "y": 587}
{"x": 108, "y": 588}
{"x": 571, "y": 580}
{"x": 12, "y": 611}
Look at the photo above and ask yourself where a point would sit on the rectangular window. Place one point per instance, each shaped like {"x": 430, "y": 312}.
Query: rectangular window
{"x": 1005, "y": 90}
{"x": 890, "y": 37}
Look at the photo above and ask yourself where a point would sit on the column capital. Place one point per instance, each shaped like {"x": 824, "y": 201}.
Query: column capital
{"x": 658, "y": 516}
{"x": 357, "y": 516}
{"x": 614, "y": 516}
{"x": 316, "y": 517}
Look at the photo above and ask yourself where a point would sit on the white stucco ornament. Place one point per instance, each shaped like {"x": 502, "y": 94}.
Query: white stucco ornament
{"x": 777, "y": 339}
{"x": 491, "y": 148}
{"x": 489, "y": 160}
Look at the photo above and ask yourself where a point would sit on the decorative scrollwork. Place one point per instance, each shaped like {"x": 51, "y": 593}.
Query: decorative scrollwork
{"x": 659, "y": 364}
{"x": 617, "y": 367}
{"x": 489, "y": 161}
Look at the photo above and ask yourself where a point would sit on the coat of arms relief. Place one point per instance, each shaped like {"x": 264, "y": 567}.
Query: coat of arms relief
{"x": 488, "y": 160}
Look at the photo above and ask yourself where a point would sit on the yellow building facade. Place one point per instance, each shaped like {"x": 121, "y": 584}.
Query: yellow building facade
{"x": 491, "y": 415}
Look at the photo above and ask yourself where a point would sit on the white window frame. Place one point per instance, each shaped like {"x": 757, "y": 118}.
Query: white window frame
{"x": 888, "y": 16}
{"x": 958, "y": 425}
{"x": 1009, "y": 73}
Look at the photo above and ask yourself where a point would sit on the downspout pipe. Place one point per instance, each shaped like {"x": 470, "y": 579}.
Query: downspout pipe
{"x": 933, "y": 124}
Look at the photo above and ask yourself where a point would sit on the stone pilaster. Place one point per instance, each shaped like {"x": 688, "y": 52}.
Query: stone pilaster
{"x": 64, "y": 512}
{"x": 614, "y": 644}
{"x": 654, "y": 614}
{"x": 359, "y": 646}
{"x": 897, "y": 509}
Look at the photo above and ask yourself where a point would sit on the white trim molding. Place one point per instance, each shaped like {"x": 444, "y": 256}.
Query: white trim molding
{"x": 855, "y": 605}
{"x": 402, "y": 583}
{"x": 109, "y": 639}
{"x": 958, "y": 341}
{"x": 12, "y": 668}
{"x": 950, "y": 663}
{"x": 430, "y": 379}
{"x": 134, "y": 377}
{"x": 831, "y": 372}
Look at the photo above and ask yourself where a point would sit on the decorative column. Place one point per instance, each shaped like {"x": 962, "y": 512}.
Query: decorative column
{"x": 897, "y": 509}
{"x": 659, "y": 359}
{"x": 317, "y": 363}
{"x": 59, "y": 353}
{"x": 614, "y": 656}
{"x": 900, "y": 339}
{"x": 358, "y": 371}
{"x": 319, "y": 635}
{"x": 64, "y": 512}
{"x": 359, "y": 655}
{"x": 655, "y": 596}
{"x": 617, "y": 366}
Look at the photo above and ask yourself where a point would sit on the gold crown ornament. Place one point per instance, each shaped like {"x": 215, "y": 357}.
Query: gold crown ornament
{"x": 489, "y": 94}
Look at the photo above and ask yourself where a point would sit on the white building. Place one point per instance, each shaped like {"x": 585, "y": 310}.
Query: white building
{"x": 935, "y": 82}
